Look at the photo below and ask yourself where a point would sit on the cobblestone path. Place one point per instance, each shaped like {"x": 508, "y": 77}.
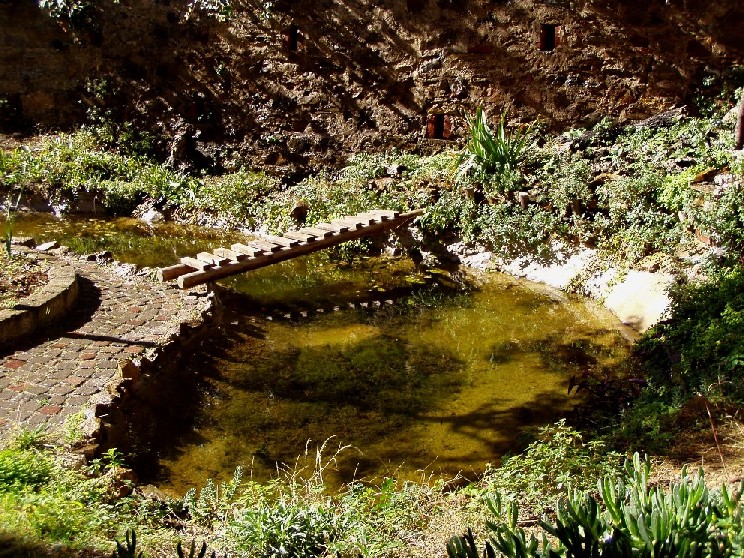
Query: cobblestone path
{"x": 46, "y": 378}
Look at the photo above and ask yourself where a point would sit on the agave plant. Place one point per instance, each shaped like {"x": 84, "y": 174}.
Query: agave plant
{"x": 633, "y": 519}
{"x": 493, "y": 155}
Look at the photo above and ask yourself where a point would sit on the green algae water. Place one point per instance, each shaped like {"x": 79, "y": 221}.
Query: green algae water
{"x": 410, "y": 372}
{"x": 129, "y": 240}
{"x": 439, "y": 382}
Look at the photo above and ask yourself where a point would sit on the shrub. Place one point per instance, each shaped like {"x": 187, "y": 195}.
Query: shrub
{"x": 722, "y": 216}
{"x": 512, "y": 232}
{"x": 23, "y": 468}
{"x": 238, "y": 198}
{"x": 701, "y": 349}
{"x": 74, "y": 11}
{"x": 558, "y": 458}
{"x": 284, "y": 528}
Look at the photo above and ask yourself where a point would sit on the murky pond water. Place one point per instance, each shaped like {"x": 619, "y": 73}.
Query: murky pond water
{"x": 442, "y": 385}
{"x": 406, "y": 367}
{"x": 130, "y": 240}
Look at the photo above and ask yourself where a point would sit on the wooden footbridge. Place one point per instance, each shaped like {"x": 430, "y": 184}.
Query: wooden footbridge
{"x": 268, "y": 250}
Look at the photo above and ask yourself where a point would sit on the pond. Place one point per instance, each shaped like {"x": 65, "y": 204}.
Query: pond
{"x": 412, "y": 372}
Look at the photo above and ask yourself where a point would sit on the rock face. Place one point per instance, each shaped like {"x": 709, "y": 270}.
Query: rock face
{"x": 307, "y": 83}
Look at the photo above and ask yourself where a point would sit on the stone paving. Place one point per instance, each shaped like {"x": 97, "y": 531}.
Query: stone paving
{"x": 48, "y": 377}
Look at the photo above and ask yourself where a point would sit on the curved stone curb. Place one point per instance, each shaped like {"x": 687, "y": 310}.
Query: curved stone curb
{"x": 43, "y": 306}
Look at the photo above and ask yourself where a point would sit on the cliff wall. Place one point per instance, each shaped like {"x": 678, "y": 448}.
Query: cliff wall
{"x": 304, "y": 84}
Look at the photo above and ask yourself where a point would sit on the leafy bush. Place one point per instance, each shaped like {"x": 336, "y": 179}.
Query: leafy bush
{"x": 42, "y": 500}
{"x": 569, "y": 178}
{"x": 631, "y": 519}
{"x": 240, "y": 198}
{"x": 66, "y": 10}
{"x": 722, "y": 216}
{"x": 701, "y": 349}
{"x": 22, "y": 468}
{"x": 66, "y": 165}
{"x": 512, "y": 232}
{"x": 558, "y": 458}
{"x": 221, "y": 10}
{"x": 213, "y": 503}
{"x": 284, "y": 528}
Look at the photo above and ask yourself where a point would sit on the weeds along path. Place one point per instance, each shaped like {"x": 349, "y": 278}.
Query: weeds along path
{"x": 66, "y": 372}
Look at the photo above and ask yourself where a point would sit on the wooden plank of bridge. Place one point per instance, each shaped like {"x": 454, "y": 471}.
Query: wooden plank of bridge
{"x": 173, "y": 271}
{"x": 301, "y": 236}
{"x": 197, "y": 264}
{"x": 246, "y": 250}
{"x": 191, "y": 272}
{"x": 281, "y": 240}
{"x": 208, "y": 257}
{"x": 365, "y": 218}
{"x": 349, "y": 222}
{"x": 335, "y": 228}
{"x": 264, "y": 245}
{"x": 318, "y": 233}
{"x": 383, "y": 214}
{"x": 232, "y": 255}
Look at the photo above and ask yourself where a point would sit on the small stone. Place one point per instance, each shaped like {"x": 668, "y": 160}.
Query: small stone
{"x": 14, "y": 363}
{"x": 46, "y": 246}
{"x": 26, "y": 241}
{"x": 152, "y": 216}
{"x": 50, "y": 410}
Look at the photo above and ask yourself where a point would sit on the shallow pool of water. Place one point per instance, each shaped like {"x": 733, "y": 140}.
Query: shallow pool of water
{"x": 409, "y": 371}
{"x": 438, "y": 382}
{"x": 129, "y": 240}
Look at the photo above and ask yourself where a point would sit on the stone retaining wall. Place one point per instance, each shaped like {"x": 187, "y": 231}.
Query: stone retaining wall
{"x": 43, "y": 307}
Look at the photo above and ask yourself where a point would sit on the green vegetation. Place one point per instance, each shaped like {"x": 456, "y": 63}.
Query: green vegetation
{"x": 45, "y": 503}
{"x": 73, "y": 11}
{"x": 493, "y": 158}
{"x": 11, "y": 210}
{"x": 221, "y": 10}
{"x": 632, "y": 192}
{"x": 539, "y": 476}
{"x": 626, "y": 190}
{"x": 631, "y": 518}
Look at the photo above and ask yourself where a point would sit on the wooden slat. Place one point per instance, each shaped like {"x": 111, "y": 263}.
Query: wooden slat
{"x": 281, "y": 240}
{"x": 302, "y": 237}
{"x": 173, "y": 271}
{"x": 230, "y": 254}
{"x": 265, "y": 245}
{"x": 211, "y": 258}
{"x": 246, "y": 250}
{"x": 384, "y": 214}
{"x": 196, "y": 264}
{"x": 320, "y": 233}
{"x": 349, "y": 222}
{"x": 337, "y": 228}
{"x": 365, "y": 218}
